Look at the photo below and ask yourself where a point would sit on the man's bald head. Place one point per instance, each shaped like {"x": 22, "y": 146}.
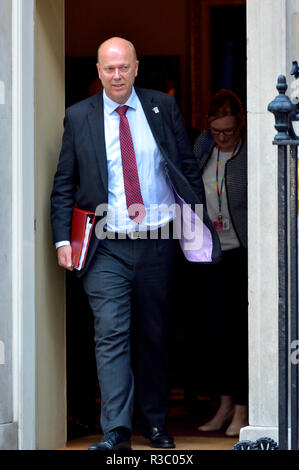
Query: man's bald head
{"x": 116, "y": 43}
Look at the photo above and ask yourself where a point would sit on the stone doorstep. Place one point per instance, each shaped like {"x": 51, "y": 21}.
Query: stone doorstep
{"x": 9, "y": 436}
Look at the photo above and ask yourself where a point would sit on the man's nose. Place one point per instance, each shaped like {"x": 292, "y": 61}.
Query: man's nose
{"x": 116, "y": 73}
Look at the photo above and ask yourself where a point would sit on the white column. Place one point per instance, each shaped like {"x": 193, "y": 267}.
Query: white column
{"x": 268, "y": 51}
{"x": 8, "y": 428}
{"x": 23, "y": 253}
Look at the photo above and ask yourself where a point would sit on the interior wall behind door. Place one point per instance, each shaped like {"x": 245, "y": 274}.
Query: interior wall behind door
{"x": 50, "y": 279}
{"x": 157, "y": 29}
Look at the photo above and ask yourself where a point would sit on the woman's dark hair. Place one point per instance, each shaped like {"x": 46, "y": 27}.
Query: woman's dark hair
{"x": 225, "y": 103}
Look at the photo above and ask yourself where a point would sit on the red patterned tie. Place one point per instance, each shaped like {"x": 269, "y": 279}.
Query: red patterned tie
{"x": 134, "y": 199}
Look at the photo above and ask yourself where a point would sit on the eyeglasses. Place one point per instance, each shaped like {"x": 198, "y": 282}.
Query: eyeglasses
{"x": 226, "y": 132}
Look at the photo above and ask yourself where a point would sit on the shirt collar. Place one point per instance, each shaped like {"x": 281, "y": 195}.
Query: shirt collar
{"x": 110, "y": 105}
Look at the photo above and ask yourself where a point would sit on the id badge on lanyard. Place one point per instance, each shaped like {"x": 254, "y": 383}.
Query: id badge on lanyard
{"x": 221, "y": 224}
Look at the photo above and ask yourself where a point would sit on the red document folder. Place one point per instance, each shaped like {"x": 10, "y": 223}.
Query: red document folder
{"x": 82, "y": 226}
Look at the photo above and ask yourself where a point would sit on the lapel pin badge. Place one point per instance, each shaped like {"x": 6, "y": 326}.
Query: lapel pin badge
{"x": 156, "y": 109}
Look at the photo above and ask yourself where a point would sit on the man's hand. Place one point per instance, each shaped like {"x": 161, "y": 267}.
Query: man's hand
{"x": 64, "y": 255}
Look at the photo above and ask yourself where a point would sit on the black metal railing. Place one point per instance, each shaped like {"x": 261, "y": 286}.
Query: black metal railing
{"x": 286, "y": 112}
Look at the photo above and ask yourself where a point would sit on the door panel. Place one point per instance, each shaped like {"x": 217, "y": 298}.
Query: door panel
{"x": 218, "y": 52}
{"x": 50, "y": 279}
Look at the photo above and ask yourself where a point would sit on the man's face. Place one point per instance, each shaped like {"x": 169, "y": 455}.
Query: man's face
{"x": 117, "y": 68}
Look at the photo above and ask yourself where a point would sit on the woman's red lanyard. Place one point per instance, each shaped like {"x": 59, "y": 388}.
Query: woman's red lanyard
{"x": 219, "y": 191}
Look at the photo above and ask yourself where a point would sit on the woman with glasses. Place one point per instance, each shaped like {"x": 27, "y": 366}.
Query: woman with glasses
{"x": 221, "y": 152}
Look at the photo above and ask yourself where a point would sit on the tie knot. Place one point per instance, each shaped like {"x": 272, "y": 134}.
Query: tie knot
{"x": 121, "y": 110}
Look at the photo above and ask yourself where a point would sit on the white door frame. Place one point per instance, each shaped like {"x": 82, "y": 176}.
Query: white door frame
{"x": 38, "y": 388}
{"x": 23, "y": 262}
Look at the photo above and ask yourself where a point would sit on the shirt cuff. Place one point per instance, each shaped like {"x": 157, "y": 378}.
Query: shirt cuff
{"x": 62, "y": 243}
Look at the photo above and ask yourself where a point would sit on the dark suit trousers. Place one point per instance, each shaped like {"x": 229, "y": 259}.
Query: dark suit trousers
{"x": 129, "y": 284}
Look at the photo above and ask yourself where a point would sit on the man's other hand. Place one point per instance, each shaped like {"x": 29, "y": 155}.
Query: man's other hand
{"x": 64, "y": 255}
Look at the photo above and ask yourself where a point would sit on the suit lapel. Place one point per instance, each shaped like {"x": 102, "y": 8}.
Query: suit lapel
{"x": 153, "y": 113}
{"x": 96, "y": 125}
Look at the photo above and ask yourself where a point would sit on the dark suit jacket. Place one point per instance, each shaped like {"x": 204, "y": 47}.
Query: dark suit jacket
{"x": 82, "y": 175}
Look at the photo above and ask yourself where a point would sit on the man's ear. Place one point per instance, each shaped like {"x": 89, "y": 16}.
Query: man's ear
{"x": 98, "y": 68}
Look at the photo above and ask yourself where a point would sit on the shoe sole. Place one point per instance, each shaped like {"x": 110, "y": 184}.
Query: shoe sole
{"x": 123, "y": 446}
{"x": 167, "y": 446}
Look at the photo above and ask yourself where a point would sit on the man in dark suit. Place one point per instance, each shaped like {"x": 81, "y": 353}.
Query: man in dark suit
{"x": 127, "y": 151}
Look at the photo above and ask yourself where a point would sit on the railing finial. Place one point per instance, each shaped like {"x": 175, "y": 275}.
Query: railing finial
{"x": 282, "y": 108}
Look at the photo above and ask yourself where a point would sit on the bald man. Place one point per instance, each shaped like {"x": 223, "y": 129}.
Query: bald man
{"x": 125, "y": 154}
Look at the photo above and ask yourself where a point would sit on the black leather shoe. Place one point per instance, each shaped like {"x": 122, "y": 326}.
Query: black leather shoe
{"x": 159, "y": 438}
{"x": 113, "y": 440}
